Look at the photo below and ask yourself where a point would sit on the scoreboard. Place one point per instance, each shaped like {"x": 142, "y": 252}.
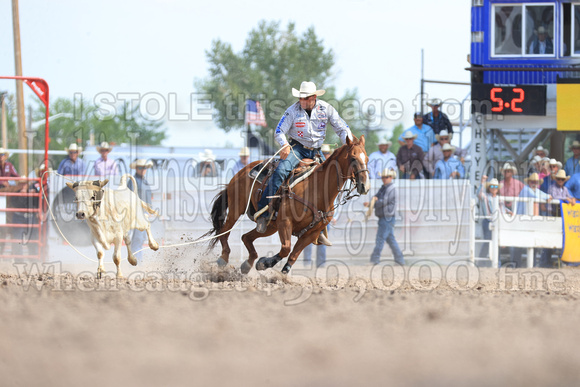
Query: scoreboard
{"x": 495, "y": 99}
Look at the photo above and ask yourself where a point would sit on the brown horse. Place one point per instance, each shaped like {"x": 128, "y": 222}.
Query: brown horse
{"x": 304, "y": 211}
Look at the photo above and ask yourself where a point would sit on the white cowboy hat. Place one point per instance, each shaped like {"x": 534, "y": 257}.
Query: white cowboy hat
{"x": 141, "y": 163}
{"x": 540, "y": 149}
{"x": 245, "y": 151}
{"x": 325, "y": 148}
{"x": 38, "y": 171}
{"x": 509, "y": 167}
{"x": 555, "y": 162}
{"x": 74, "y": 147}
{"x": 448, "y": 147}
{"x": 434, "y": 102}
{"x": 541, "y": 30}
{"x": 444, "y": 133}
{"x": 575, "y": 144}
{"x": 207, "y": 155}
{"x": 388, "y": 172}
{"x": 4, "y": 152}
{"x": 536, "y": 159}
{"x": 408, "y": 134}
{"x": 104, "y": 145}
{"x": 307, "y": 89}
{"x": 562, "y": 175}
{"x": 492, "y": 182}
{"x": 385, "y": 142}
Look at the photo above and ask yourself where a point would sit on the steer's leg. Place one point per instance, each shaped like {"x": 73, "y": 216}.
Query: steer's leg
{"x": 130, "y": 257}
{"x": 117, "y": 255}
{"x": 100, "y": 255}
{"x": 152, "y": 243}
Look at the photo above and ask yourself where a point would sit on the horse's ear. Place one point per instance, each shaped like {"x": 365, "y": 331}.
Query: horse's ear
{"x": 349, "y": 141}
{"x": 361, "y": 140}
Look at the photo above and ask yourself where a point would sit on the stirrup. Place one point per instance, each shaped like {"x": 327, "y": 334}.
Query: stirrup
{"x": 259, "y": 213}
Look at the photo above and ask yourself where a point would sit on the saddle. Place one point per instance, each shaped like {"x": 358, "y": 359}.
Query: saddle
{"x": 305, "y": 166}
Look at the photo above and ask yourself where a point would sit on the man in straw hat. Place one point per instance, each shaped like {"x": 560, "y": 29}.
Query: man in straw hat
{"x": 105, "y": 166}
{"x": 449, "y": 167}
{"x": 541, "y": 44}
{"x": 144, "y": 192}
{"x": 243, "y": 161}
{"x": 425, "y": 136}
{"x": 382, "y": 159}
{"x": 72, "y": 164}
{"x": 436, "y": 153}
{"x": 410, "y": 158}
{"x": 6, "y": 168}
{"x": 437, "y": 120}
{"x": 384, "y": 204}
{"x": 300, "y": 133}
{"x": 550, "y": 180}
{"x": 572, "y": 165}
{"x": 510, "y": 185}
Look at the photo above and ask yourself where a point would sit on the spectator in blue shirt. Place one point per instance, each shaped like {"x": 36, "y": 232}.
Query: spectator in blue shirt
{"x": 425, "y": 135}
{"x": 449, "y": 167}
{"x": 573, "y": 185}
{"x": 72, "y": 165}
{"x": 572, "y": 165}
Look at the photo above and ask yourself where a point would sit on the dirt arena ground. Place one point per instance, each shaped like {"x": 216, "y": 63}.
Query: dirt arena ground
{"x": 341, "y": 326}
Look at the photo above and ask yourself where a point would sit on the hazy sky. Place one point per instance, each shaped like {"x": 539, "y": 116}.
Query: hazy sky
{"x": 156, "y": 49}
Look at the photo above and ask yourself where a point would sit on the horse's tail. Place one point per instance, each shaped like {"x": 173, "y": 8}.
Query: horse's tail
{"x": 219, "y": 212}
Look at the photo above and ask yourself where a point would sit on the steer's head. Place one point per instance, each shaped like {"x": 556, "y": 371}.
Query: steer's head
{"x": 88, "y": 196}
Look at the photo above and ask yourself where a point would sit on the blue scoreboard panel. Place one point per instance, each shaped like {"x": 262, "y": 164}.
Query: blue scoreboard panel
{"x": 524, "y": 100}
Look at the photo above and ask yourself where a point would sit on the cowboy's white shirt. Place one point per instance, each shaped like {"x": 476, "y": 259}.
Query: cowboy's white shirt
{"x": 310, "y": 131}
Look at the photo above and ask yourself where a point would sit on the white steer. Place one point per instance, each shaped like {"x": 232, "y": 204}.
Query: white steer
{"x": 111, "y": 215}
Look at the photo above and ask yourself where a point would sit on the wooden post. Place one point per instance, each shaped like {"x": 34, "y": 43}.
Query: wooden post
{"x": 4, "y": 124}
{"x": 22, "y": 159}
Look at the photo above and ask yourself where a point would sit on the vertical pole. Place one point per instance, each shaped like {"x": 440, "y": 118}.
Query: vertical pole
{"x": 478, "y": 150}
{"x": 22, "y": 160}
{"x": 4, "y": 124}
{"x": 422, "y": 82}
{"x": 494, "y": 244}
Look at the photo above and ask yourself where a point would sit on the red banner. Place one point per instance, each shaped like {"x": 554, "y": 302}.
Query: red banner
{"x": 40, "y": 88}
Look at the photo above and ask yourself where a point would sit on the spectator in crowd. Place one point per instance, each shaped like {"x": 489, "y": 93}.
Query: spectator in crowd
{"x": 104, "y": 166}
{"x": 541, "y": 43}
{"x": 437, "y": 120}
{"x": 243, "y": 161}
{"x": 72, "y": 164}
{"x": 559, "y": 192}
{"x": 572, "y": 165}
{"x": 207, "y": 167}
{"x": 410, "y": 158}
{"x": 544, "y": 168}
{"x": 381, "y": 159}
{"x": 144, "y": 192}
{"x": 449, "y": 167}
{"x": 555, "y": 167}
{"x": 425, "y": 136}
{"x": 533, "y": 192}
{"x": 6, "y": 169}
{"x": 487, "y": 208}
{"x": 510, "y": 185}
{"x": 573, "y": 185}
{"x": 435, "y": 153}
{"x": 541, "y": 151}
{"x": 385, "y": 203}
{"x": 321, "y": 248}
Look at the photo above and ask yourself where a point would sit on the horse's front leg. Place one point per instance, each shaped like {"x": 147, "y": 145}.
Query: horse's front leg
{"x": 306, "y": 239}
{"x": 248, "y": 239}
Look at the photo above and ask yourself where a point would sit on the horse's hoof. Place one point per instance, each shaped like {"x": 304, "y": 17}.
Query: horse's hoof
{"x": 221, "y": 262}
{"x": 246, "y": 267}
{"x": 267, "y": 263}
{"x": 286, "y": 269}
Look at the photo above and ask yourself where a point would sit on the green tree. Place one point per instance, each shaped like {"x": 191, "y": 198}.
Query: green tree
{"x": 272, "y": 62}
{"x": 397, "y": 131}
{"x": 86, "y": 122}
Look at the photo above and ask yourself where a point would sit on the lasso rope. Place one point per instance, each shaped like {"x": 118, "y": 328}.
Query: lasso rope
{"x": 145, "y": 248}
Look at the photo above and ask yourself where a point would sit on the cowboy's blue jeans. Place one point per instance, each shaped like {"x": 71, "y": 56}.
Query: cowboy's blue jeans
{"x": 386, "y": 233}
{"x": 284, "y": 168}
